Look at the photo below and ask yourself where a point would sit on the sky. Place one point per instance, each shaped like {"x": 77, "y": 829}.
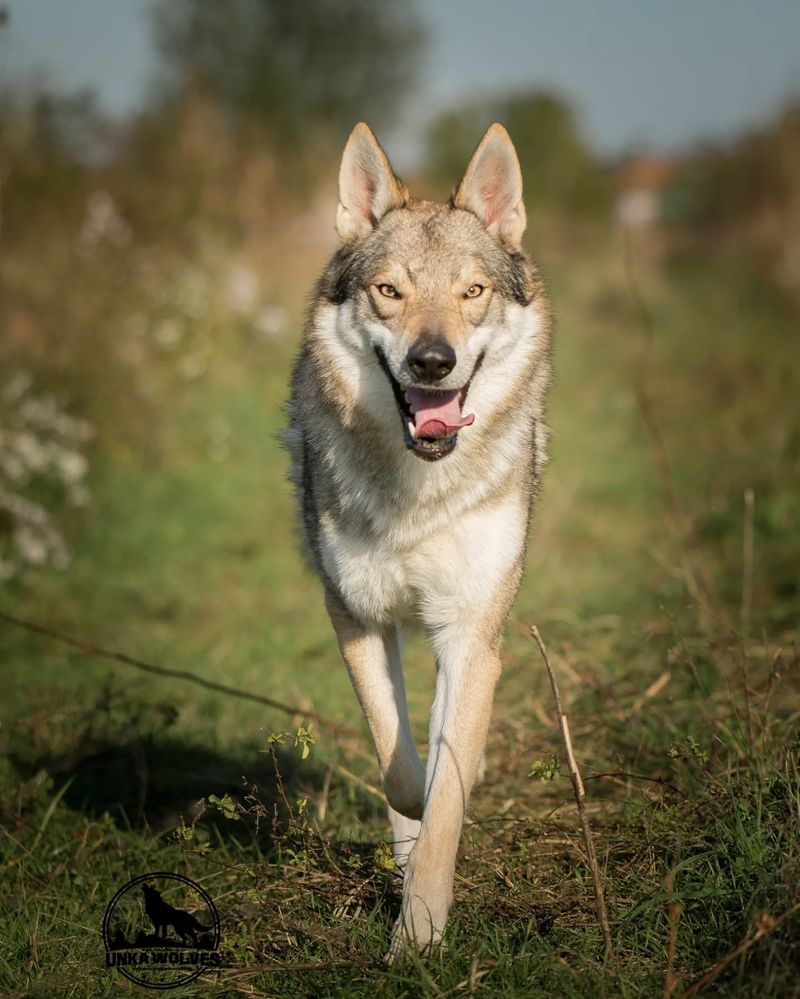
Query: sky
{"x": 652, "y": 74}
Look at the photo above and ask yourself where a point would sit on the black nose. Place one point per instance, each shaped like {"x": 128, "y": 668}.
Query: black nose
{"x": 431, "y": 358}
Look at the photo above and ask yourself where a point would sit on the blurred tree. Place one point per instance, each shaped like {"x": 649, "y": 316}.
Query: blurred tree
{"x": 745, "y": 195}
{"x": 48, "y": 141}
{"x": 757, "y": 172}
{"x": 294, "y": 66}
{"x": 558, "y": 168}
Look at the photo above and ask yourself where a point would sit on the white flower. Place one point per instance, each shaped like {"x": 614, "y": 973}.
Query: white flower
{"x": 271, "y": 321}
{"x": 72, "y": 465}
{"x": 242, "y": 290}
{"x": 42, "y": 442}
{"x": 30, "y": 545}
{"x": 168, "y": 334}
{"x": 32, "y": 453}
{"x": 192, "y": 366}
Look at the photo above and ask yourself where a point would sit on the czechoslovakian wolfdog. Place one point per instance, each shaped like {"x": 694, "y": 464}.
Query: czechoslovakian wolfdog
{"x": 417, "y": 440}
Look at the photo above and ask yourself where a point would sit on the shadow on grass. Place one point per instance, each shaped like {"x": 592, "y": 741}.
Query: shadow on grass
{"x": 126, "y": 760}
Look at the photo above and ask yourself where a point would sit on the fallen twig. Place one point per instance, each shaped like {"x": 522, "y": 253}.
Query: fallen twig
{"x": 675, "y": 911}
{"x": 580, "y": 795}
{"x": 369, "y": 788}
{"x": 765, "y": 925}
{"x": 91, "y": 649}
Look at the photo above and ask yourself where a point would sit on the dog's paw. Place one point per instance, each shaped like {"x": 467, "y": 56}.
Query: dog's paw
{"x": 403, "y": 945}
{"x": 401, "y": 949}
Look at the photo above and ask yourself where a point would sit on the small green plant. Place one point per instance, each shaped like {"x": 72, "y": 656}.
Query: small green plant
{"x": 546, "y": 769}
{"x": 226, "y": 806}
{"x": 192, "y": 837}
{"x": 304, "y": 740}
{"x": 384, "y": 860}
{"x": 689, "y": 750}
{"x": 296, "y": 858}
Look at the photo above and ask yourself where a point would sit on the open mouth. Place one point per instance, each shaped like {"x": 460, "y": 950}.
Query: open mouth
{"x": 431, "y": 418}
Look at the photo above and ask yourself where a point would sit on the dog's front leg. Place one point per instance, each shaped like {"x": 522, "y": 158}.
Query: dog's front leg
{"x": 468, "y": 669}
{"x": 373, "y": 660}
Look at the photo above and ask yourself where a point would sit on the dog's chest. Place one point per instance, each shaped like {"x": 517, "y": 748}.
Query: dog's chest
{"x": 458, "y": 567}
{"x": 374, "y": 578}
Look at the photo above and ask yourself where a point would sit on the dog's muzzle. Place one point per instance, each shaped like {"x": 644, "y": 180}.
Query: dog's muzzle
{"x": 430, "y": 417}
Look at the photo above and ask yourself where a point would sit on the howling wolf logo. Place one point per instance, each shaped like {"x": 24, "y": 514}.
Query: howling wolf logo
{"x": 417, "y": 440}
{"x": 163, "y": 915}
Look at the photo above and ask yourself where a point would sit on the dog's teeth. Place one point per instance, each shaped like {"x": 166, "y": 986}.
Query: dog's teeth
{"x": 412, "y": 429}
{"x": 405, "y": 396}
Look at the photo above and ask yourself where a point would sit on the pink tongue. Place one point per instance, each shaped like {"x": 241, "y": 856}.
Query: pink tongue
{"x": 437, "y": 414}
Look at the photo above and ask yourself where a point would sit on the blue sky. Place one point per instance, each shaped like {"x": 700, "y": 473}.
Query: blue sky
{"x": 652, "y": 73}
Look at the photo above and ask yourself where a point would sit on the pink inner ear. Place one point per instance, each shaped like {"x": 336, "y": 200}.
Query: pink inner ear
{"x": 492, "y": 192}
{"x": 490, "y": 202}
{"x": 367, "y": 199}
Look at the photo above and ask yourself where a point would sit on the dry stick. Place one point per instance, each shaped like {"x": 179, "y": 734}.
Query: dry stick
{"x": 580, "y": 794}
{"x": 369, "y": 788}
{"x": 671, "y": 980}
{"x": 766, "y": 925}
{"x": 91, "y": 649}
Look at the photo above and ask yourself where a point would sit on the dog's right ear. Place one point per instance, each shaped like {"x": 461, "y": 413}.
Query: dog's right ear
{"x": 368, "y": 188}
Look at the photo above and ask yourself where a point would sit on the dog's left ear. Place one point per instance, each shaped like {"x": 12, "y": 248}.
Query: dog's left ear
{"x": 492, "y": 187}
{"x": 368, "y": 188}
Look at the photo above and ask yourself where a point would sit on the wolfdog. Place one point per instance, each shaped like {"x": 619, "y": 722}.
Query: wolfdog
{"x": 417, "y": 439}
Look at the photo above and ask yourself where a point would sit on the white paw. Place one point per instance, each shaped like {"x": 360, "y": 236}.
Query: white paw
{"x": 402, "y": 944}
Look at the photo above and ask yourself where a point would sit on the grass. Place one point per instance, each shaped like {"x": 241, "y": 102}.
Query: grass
{"x": 684, "y": 715}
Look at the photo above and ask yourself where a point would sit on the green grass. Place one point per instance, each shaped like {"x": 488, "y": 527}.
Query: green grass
{"x": 188, "y": 558}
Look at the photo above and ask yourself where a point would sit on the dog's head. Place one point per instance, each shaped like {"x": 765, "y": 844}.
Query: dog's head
{"x": 431, "y": 290}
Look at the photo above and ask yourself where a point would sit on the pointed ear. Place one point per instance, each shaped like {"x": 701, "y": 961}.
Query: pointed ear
{"x": 492, "y": 187}
{"x": 368, "y": 188}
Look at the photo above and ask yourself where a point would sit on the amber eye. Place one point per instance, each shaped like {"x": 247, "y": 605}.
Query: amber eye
{"x": 388, "y": 291}
{"x": 474, "y": 291}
